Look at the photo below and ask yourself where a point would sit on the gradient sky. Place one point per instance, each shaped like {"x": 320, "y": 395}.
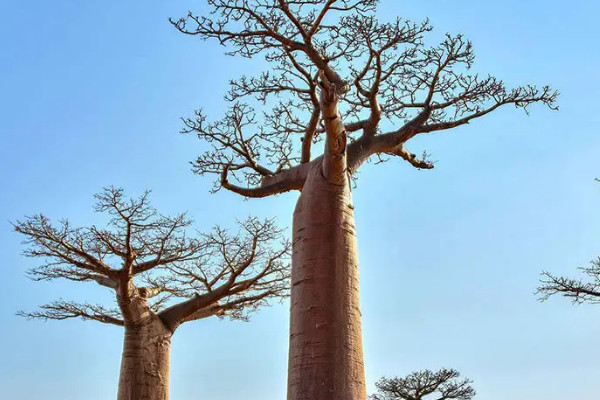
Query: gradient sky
{"x": 91, "y": 95}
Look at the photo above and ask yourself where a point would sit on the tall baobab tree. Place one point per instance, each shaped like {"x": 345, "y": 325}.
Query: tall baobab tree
{"x": 161, "y": 278}
{"x": 361, "y": 89}
{"x": 425, "y": 385}
{"x": 577, "y": 290}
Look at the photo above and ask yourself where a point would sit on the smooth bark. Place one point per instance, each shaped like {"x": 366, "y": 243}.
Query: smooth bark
{"x": 145, "y": 362}
{"x": 325, "y": 358}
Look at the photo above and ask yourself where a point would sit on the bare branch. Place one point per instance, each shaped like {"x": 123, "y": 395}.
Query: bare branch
{"x": 245, "y": 270}
{"x": 334, "y": 158}
{"x": 73, "y": 274}
{"x": 576, "y": 290}
{"x": 520, "y": 98}
{"x": 287, "y": 180}
{"x": 63, "y": 245}
{"x": 412, "y": 158}
{"x": 61, "y": 309}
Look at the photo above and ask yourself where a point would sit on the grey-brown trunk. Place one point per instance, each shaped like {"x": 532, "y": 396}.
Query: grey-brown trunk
{"x": 145, "y": 362}
{"x": 325, "y": 359}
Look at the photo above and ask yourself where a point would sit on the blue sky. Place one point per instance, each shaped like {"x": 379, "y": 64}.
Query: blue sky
{"x": 92, "y": 93}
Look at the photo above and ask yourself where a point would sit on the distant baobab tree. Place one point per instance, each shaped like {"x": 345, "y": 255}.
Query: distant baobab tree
{"x": 161, "y": 278}
{"x": 425, "y": 385}
{"x": 340, "y": 88}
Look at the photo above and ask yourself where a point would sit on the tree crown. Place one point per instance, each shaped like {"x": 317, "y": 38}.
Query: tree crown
{"x": 143, "y": 255}
{"x": 390, "y": 87}
{"x": 420, "y": 385}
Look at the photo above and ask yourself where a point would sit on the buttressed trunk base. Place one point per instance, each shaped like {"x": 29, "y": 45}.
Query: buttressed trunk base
{"x": 145, "y": 362}
{"x": 325, "y": 359}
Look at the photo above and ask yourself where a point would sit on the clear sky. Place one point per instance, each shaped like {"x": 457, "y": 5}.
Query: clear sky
{"x": 90, "y": 96}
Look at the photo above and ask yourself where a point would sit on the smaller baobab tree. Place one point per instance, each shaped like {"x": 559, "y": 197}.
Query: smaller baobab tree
{"x": 423, "y": 385}
{"x": 160, "y": 276}
{"x": 579, "y": 291}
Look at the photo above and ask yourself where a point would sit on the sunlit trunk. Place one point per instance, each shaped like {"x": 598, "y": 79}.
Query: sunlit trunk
{"x": 145, "y": 362}
{"x": 325, "y": 359}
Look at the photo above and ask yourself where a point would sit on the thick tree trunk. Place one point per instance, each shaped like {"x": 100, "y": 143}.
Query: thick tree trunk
{"x": 325, "y": 360}
{"x": 145, "y": 362}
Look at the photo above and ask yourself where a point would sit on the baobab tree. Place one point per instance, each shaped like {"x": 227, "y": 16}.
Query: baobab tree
{"x": 425, "y": 385}
{"x": 579, "y": 291}
{"x": 359, "y": 88}
{"x": 160, "y": 276}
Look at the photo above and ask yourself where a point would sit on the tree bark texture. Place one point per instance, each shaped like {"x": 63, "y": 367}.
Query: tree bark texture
{"x": 325, "y": 359}
{"x": 145, "y": 362}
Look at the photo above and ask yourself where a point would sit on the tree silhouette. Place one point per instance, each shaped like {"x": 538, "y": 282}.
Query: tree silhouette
{"x": 341, "y": 88}
{"x": 423, "y": 385}
{"x": 160, "y": 276}
{"x": 577, "y": 290}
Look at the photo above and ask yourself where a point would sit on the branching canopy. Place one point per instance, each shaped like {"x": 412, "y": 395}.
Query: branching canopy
{"x": 577, "y": 290}
{"x": 391, "y": 87}
{"x": 421, "y": 385}
{"x": 145, "y": 256}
